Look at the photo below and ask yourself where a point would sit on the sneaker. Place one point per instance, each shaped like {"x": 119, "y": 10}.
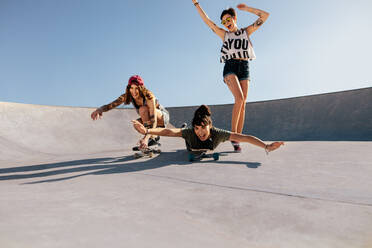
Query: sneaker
{"x": 236, "y": 146}
{"x": 237, "y": 149}
{"x": 184, "y": 125}
{"x": 153, "y": 142}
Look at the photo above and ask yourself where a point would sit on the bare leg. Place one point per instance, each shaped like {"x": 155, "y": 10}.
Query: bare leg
{"x": 234, "y": 85}
{"x": 244, "y": 86}
{"x": 145, "y": 117}
{"x": 160, "y": 120}
{"x": 144, "y": 114}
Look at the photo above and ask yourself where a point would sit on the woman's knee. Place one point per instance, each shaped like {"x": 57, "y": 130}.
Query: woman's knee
{"x": 239, "y": 99}
{"x": 244, "y": 84}
{"x": 144, "y": 112}
{"x": 236, "y": 91}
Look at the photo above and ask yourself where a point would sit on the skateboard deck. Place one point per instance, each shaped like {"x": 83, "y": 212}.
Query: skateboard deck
{"x": 199, "y": 154}
{"x": 147, "y": 152}
{"x": 137, "y": 148}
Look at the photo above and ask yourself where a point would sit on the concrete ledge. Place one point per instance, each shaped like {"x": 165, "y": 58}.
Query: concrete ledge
{"x": 340, "y": 116}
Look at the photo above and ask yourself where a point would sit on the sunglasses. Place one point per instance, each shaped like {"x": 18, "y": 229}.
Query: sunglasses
{"x": 228, "y": 19}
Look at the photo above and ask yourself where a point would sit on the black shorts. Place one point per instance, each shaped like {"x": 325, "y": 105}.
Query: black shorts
{"x": 238, "y": 67}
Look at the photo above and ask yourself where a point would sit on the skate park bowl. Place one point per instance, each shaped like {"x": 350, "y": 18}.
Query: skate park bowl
{"x": 69, "y": 181}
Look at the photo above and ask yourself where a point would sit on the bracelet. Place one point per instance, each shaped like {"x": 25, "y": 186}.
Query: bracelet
{"x": 196, "y": 3}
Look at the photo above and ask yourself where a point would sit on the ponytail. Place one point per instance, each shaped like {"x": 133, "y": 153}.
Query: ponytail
{"x": 202, "y": 116}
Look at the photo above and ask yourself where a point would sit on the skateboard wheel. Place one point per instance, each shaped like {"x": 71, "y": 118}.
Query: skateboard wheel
{"x": 191, "y": 157}
{"x": 216, "y": 156}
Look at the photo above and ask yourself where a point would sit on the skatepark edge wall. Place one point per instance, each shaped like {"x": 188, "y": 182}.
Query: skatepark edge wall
{"x": 339, "y": 116}
{"x": 27, "y": 129}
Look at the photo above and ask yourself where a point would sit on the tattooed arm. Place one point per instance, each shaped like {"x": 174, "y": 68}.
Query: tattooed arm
{"x": 262, "y": 17}
{"x": 217, "y": 30}
{"x": 98, "y": 112}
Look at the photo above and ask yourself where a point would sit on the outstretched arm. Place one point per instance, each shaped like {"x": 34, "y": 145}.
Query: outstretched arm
{"x": 170, "y": 132}
{"x": 219, "y": 31}
{"x": 262, "y": 17}
{"x": 255, "y": 141}
{"x": 98, "y": 112}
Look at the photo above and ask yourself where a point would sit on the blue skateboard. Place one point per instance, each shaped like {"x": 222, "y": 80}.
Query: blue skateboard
{"x": 199, "y": 154}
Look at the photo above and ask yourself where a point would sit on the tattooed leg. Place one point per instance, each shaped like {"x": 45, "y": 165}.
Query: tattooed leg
{"x": 145, "y": 116}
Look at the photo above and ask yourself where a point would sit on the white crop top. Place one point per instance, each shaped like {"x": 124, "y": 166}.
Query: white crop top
{"x": 237, "y": 46}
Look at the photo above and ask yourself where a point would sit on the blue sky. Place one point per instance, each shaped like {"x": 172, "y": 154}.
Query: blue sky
{"x": 81, "y": 52}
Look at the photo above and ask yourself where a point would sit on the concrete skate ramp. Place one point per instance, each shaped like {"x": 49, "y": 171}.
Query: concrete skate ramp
{"x": 34, "y": 130}
{"x": 340, "y": 116}
{"x": 67, "y": 181}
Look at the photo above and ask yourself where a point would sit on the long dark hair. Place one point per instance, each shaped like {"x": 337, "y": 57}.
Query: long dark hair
{"x": 144, "y": 93}
{"x": 202, "y": 116}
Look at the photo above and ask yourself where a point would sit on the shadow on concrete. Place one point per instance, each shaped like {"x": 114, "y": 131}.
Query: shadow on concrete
{"x": 102, "y": 166}
{"x": 251, "y": 165}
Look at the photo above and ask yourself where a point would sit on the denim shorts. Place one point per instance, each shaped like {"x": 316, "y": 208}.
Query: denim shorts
{"x": 163, "y": 111}
{"x": 238, "y": 67}
{"x": 165, "y": 116}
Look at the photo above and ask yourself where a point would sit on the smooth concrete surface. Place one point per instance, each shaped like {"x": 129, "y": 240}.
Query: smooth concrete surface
{"x": 66, "y": 181}
{"x": 339, "y": 116}
{"x": 34, "y": 131}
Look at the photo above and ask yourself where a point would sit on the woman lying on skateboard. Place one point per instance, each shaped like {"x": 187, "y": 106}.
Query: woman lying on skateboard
{"x": 202, "y": 135}
{"x": 152, "y": 114}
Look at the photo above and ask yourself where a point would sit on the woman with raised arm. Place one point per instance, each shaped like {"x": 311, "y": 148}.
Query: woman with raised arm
{"x": 236, "y": 50}
{"x": 151, "y": 113}
{"x": 202, "y": 135}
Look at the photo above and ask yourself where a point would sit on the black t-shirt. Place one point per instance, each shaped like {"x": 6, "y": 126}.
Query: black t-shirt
{"x": 193, "y": 142}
